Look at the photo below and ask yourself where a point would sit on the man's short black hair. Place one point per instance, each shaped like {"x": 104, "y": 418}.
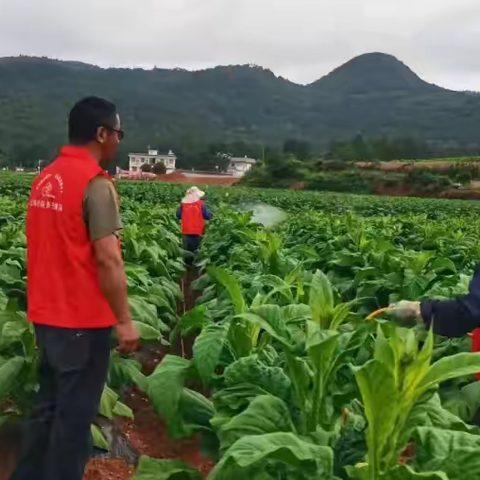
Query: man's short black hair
{"x": 86, "y": 116}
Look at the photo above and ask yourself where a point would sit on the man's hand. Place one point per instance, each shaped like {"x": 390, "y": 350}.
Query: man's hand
{"x": 406, "y": 310}
{"x": 127, "y": 336}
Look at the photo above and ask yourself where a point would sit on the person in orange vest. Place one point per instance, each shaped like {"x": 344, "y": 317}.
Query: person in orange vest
{"x": 76, "y": 292}
{"x": 193, "y": 212}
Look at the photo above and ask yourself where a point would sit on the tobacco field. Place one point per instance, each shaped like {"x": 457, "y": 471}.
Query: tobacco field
{"x": 274, "y": 367}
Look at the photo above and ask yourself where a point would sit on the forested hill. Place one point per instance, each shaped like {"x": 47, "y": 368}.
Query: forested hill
{"x": 373, "y": 94}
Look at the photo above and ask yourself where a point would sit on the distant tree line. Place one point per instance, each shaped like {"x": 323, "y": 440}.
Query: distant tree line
{"x": 334, "y": 169}
{"x": 403, "y": 148}
{"x": 214, "y": 156}
{"x": 207, "y": 115}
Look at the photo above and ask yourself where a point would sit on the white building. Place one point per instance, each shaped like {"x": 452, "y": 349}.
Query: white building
{"x": 136, "y": 160}
{"x": 238, "y": 167}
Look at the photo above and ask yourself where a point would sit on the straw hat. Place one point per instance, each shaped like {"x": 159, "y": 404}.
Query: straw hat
{"x": 194, "y": 194}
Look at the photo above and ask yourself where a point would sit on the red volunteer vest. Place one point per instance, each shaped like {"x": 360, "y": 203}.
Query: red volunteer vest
{"x": 476, "y": 344}
{"x": 62, "y": 282}
{"x": 192, "y": 218}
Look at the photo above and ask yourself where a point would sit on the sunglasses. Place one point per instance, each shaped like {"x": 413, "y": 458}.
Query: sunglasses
{"x": 120, "y": 133}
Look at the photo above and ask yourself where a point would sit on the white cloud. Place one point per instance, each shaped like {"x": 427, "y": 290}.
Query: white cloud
{"x": 299, "y": 39}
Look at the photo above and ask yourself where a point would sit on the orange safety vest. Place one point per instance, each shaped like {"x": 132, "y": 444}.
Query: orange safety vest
{"x": 63, "y": 288}
{"x": 192, "y": 218}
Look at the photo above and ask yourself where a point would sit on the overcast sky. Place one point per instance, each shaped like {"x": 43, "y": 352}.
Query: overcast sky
{"x": 298, "y": 39}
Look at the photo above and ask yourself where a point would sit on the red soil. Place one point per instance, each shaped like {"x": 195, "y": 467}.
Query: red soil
{"x": 148, "y": 435}
{"x": 182, "y": 178}
{"x": 107, "y": 469}
{"x": 226, "y": 181}
{"x": 173, "y": 177}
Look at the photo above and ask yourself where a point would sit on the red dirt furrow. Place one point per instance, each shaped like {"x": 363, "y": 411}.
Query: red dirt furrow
{"x": 146, "y": 433}
{"x": 108, "y": 469}
{"x": 149, "y": 436}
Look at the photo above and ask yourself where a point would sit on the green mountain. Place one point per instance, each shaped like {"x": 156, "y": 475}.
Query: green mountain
{"x": 373, "y": 72}
{"x": 373, "y": 94}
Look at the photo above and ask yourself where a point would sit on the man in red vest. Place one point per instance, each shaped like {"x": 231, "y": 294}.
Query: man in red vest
{"x": 193, "y": 213}
{"x": 76, "y": 290}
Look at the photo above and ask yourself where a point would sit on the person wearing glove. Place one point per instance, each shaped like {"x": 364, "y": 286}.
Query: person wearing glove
{"x": 450, "y": 318}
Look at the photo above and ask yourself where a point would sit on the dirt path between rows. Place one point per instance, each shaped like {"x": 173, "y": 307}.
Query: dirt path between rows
{"x": 146, "y": 433}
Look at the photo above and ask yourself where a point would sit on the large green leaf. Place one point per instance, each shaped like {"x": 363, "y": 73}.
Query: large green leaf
{"x": 98, "y": 438}
{"x": 125, "y": 371}
{"x": 9, "y": 374}
{"x": 142, "y": 311}
{"x": 156, "y": 469}
{"x": 208, "y": 348}
{"x": 441, "y": 264}
{"x": 12, "y": 327}
{"x": 269, "y": 318}
{"x": 321, "y": 347}
{"x": 163, "y": 296}
{"x": 302, "y": 377}
{"x": 277, "y": 284}
{"x": 429, "y": 412}
{"x": 451, "y": 367}
{"x": 400, "y": 472}
{"x": 407, "y": 473}
{"x": 251, "y": 370}
{"x": 250, "y": 454}
{"x": 348, "y": 345}
{"x": 231, "y": 284}
{"x": 463, "y": 402}
{"x": 378, "y": 389}
{"x": 196, "y": 410}
{"x": 340, "y": 314}
{"x": 321, "y": 299}
{"x": 296, "y": 313}
{"x": 415, "y": 366}
{"x": 107, "y": 402}
{"x": 165, "y": 387}
{"x": 266, "y": 414}
{"x": 123, "y": 410}
{"x": 455, "y": 453}
{"x": 236, "y": 398}
{"x": 147, "y": 332}
{"x": 196, "y": 318}
{"x": 145, "y": 312}
{"x": 384, "y": 351}
{"x": 111, "y": 406}
{"x": 172, "y": 287}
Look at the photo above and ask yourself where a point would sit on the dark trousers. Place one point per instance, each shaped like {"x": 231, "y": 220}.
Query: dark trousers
{"x": 72, "y": 372}
{"x": 191, "y": 243}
